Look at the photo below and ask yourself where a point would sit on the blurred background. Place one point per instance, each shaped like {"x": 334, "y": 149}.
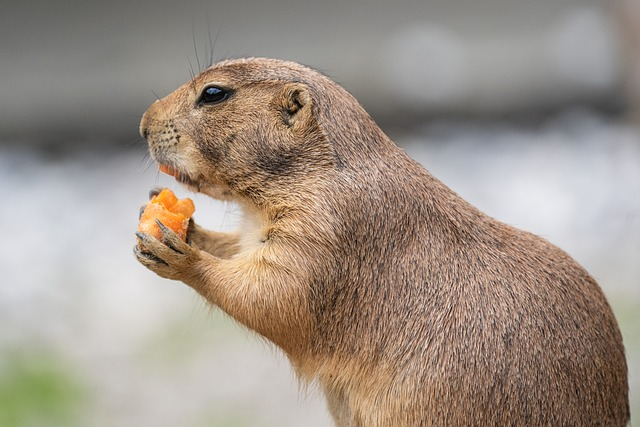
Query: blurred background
{"x": 530, "y": 110}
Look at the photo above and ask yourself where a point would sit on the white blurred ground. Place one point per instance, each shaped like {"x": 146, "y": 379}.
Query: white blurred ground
{"x": 149, "y": 351}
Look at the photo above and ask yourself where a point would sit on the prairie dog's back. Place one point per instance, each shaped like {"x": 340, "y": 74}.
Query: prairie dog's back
{"x": 457, "y": 307}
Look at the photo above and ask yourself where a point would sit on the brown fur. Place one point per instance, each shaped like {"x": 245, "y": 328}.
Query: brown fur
{"x": 408, "y": 305}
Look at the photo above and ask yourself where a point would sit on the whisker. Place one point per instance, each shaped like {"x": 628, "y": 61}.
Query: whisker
{"x": 150, "y": 163}
{"x": 156, "y": 95}
{"x": 193, "y": 37}
{"x": 212, "y": 44}
{"x": 137, "y": 141}
{"x": 145, "y": 159}
{"x": 193, "y": 75}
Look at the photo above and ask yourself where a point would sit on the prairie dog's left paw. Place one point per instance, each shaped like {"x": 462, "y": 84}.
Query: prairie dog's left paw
{"x": 169, "y": 257}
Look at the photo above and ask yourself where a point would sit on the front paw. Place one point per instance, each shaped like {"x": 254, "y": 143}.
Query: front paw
{"x": 169, "y": 256}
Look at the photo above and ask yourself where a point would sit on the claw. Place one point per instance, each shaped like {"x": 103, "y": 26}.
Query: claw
{"x": 139, "y": 253}
{"x": 142, "y": 208}
{"x": 154, "y": 192}
{"x": 142, "y": 236}
{"x": 163, "y": 227}
{"x": 170, "y": 238}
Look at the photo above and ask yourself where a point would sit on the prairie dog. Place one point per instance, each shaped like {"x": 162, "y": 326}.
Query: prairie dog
{"x": 407, "y": 305}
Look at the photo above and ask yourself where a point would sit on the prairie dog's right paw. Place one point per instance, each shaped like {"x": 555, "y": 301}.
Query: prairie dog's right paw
{"x": 168, "y": 256}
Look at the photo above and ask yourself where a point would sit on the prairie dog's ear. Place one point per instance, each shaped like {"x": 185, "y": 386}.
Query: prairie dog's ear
{"x": 295, "y": 104}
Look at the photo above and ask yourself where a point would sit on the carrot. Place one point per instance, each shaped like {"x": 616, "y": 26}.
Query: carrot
{"x": 171, "y": 211}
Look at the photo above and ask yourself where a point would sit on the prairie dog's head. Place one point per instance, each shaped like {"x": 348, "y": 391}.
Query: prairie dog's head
{"x": 241, "y": 129}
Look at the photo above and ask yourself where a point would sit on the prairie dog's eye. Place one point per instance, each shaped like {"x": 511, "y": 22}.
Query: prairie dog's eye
{"x": 213, "y": 95}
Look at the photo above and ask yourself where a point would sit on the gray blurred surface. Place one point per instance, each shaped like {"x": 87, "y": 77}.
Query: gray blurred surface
{"x": 71, "y": 69}
{"x": 149, "y": 352}
{"x": 75, "y": 77}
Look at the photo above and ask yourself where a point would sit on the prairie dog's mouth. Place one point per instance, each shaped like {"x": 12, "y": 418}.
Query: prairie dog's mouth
{"x": 181, "y": 177}
{"x": 218, "y": 192}
{"x": 169, "y": 170}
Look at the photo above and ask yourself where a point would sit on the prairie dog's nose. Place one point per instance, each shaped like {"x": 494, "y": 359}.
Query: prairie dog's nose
{"x": 144, "y": 122}
{"x": 143, "y": 127}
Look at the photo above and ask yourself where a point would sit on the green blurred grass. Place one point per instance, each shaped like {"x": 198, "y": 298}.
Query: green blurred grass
{"x": 39, "y": 390}
{"x": 627, "y": 312}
